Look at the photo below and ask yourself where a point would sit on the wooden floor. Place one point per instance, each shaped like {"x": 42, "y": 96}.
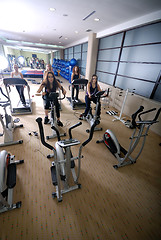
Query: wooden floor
{"x": 121, "y": 204}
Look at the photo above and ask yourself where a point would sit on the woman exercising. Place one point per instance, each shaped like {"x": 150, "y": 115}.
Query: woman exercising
{"x": 75, "y": 75}
{"x": 51, "y": 85}
{"x": 92, "y": 88}
{"x": 48, "y": 69}
{"x": 20, "y": 88}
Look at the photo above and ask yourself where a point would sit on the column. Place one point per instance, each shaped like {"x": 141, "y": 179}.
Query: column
{"x": 91, "y": 55}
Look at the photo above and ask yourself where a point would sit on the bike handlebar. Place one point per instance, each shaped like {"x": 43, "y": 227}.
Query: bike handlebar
{"x": 54, "y": 95}
{"x": 157, "y": 114}
{"x": 74, "y": 126}
{"x": 39, "y": 121}
{"x": 91, "y": 133}
{"x": 134, "y": 115}
{"x": 8, "y": 100}
{"x": 150, "y": 110}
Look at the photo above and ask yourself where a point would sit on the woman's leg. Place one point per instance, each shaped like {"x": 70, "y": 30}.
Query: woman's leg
{"x": 88, "y": 104}
{"x": 77, "y": 92}
{"x": 72, "y": 92}
{"x": 22, "y": 97}
{"x": 57, "y": 107}
{"x": 46, "y": 109}
{"x": 99, "y": 106}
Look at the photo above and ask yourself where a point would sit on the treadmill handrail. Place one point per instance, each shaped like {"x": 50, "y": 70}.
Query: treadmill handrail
{"x": 80, "y": 81}
{"x": 14, "y": 81}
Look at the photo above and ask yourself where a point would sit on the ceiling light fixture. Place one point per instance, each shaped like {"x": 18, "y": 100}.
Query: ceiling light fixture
{"x": 97, "y": 19}
{"x": 76, "y": 31}
{"x": 52, "y": 9}
{"x": 66, "y": 38}
{"x": 88, "y": 30}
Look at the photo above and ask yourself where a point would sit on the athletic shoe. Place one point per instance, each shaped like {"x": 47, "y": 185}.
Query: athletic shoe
{"x": 60, "y": 124}
{"x": 82, "y": 117}
{"x": 76, "y": 100}
{"x": 46, "y": 120}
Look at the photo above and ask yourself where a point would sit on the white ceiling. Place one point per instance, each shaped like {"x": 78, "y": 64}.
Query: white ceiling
{"x": 32, "y": 22}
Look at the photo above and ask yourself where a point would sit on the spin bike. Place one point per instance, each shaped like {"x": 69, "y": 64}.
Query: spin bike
{"x": 124, "y": 156}
{"x": 9, "y": 124}
{"x": 64, "y": 164}
{"x": 90, "y": 118}
{"x": 53, "y": 97}
{"x": 8, "y": 181}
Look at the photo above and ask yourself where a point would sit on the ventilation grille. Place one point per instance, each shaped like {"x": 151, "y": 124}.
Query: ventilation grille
{"x": 88, "y": 15}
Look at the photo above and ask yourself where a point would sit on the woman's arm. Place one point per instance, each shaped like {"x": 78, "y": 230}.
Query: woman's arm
{"x": 21, "y": 75}
{"x": 61, "y": 88}
{"x": 98, "y": 86}
{"x": 39, "y": 90}
{"x": 72, "y": 77}
{"x": 88, "y": 90}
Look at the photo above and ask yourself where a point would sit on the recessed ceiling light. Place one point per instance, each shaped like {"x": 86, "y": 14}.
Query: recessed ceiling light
{"x": 66, "y": 38}
{"x": 97, "y": 19}
{"x": 59, "y": 42}
{"x": 40, "y": 39}
{"x": 76, "y": 31}
{"x": 52, "y": 9}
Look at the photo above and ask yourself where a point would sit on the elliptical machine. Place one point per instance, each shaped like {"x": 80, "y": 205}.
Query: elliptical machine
{"x": 8, "y": 181}
{"x": 53, "y": 97}
{"x": 124, "y": 156}
{"x": 9, "y": 124}
{"x": 64, "y": 164}
{"x": 90, "y": 118}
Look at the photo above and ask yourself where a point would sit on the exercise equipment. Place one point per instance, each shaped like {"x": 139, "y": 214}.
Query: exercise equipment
{"x": 53, "y": 97}
{"x": 73, "y": 62}
{"x": 78, "y": 104}
{"x": 17, "y": 108}
{"x": 90, "y": 118}
{"x": 64, "y": 164}
{"x": 111, "y": 112}
{"x": 124, "y": 156}
{"x": 32, "y": 73}
{"x": 120, "y": 118}
{"x": 9, "y": 124}
{"x": 8, "y": 181}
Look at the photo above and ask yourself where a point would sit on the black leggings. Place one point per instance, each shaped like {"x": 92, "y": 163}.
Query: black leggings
{"x": 47, "y": 105}
{"x": 20, "y": 90}
{"x": 77, "y": 91}
{"x": 88, "y": 105}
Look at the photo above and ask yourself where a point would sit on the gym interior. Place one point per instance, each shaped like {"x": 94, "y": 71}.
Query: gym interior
{"x": 112, "y": 203}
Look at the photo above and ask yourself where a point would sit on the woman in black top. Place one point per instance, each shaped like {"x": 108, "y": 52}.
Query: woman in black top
{"x": 75, "y": 75}
{"x": 92, "y": 88}
{"x": 51, "y": 85}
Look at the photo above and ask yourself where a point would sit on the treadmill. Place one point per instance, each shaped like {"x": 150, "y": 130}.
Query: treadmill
{"x": 78, "y": 105}
{"x": 16, "y": 106}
